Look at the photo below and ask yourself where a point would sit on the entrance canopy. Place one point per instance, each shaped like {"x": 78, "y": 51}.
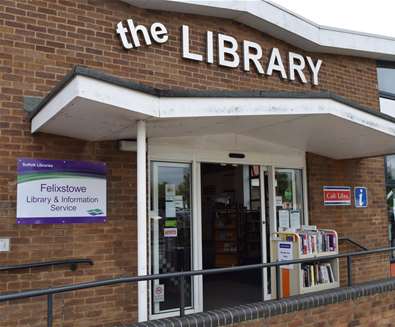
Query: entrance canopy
{"x": 92, "y": 106}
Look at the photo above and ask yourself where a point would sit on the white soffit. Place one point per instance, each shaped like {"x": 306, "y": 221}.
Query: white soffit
{"x": 95, "y": 110}
{"x": 283, "y": 24}
{"x": 102, "y": 109}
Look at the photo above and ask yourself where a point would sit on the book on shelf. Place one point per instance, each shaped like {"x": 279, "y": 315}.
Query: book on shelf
{"x": 317, "y": 274}
{"x": 317, "y": 241}
{"x": 229, "y": 247}
{"x": 225, "y": 235}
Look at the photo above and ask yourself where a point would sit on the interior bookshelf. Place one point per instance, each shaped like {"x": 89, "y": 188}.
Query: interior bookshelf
{"x": 237, "y": 238}
{"x": 303, "y": 244}
{"x": 250, "y": 243}
{"x": 226, "y": 238}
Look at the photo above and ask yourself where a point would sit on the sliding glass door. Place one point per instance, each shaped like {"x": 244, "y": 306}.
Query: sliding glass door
{"x": 171, "y": 234}
{"x": 209, "y": 215}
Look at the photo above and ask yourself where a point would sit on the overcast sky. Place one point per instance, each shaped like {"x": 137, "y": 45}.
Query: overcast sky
{"x": 371, "y": 16}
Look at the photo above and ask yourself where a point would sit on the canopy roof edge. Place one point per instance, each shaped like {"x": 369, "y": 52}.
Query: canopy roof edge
{"x": 94, "y": 106}
{"x": 181, "y": 93}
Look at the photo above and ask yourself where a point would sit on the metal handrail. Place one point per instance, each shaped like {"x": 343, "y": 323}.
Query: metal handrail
{"x": 49, "y": 292}
{"x": 73, "y": 263}
{"x": 347, "y": 239}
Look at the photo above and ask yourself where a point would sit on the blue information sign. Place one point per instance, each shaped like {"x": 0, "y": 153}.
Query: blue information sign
{"x": 361, "y": 197}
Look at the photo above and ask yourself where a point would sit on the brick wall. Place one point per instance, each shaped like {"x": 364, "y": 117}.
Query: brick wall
{"x": 371, "y": 311}
{"x": 112, "y": 246}
{"x": 40, "y": 41}
{"x": 365, "y": 226}
{"x": 368, "y": 304}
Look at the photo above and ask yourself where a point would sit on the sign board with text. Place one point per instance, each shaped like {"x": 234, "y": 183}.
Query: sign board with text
{"x": 61, "y": 191}
{"x": 337, "y": 195}
{"x": 361, "y": 197}
{"x": 159, "y": 293}
{"x": 285, "y": 253}
{"x": 230, "y": 52}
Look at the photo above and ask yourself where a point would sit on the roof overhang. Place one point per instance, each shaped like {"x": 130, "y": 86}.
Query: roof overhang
{"x": 92, "y": 106}
{"x": 283, "y": 24}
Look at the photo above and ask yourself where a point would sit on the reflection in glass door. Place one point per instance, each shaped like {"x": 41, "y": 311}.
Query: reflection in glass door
{"x": 171, "y": 230}
{"x": 289, "y": 198}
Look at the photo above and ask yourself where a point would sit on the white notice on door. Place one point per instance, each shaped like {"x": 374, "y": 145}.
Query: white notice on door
{"x": 295, "y": 219}
{"x": 159, "y": 293}
{"x": 170, "y": 209}
{"x": 279, "y": 201}
{"x": 170, "y": 190}
{"x": 283, "y": 219}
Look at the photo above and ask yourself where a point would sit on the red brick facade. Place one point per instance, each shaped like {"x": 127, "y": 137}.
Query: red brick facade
{"x": 40, "y": 41}
{"x": 367, "y": 226}
{"x": 373, "y": 311}
{"x": 112, "y": 246}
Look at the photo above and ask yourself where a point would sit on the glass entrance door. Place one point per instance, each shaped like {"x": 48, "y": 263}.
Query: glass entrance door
{"x": 236, "y": 209}
{"x": 233, "y": 210}
{"x": 171, "y": 234}
{"x": 289, "y": 199}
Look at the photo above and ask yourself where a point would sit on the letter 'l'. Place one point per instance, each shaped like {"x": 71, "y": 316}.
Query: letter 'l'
{"x": 185, "y": 45}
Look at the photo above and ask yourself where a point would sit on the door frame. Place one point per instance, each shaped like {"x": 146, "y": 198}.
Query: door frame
{"x": 153, "y": 164}
{"x": 267, "y": 215}
{"x": 182, "y": 155}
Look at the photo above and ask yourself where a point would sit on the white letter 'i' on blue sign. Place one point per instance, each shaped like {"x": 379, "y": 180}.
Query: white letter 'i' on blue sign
{"x": 361, "y": 197}
{"x": 360, "y": 194}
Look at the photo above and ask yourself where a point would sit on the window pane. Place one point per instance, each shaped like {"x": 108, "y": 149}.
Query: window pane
{"x": 289, "y": 198}
{"x": 387, "y": 106}
{"x": 390, "y": 162}
{"x": 391, "y": 216}
{"x": 386, "y": 79}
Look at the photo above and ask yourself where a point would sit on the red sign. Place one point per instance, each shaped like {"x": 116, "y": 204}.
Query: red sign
{"x": 337, "y": 195}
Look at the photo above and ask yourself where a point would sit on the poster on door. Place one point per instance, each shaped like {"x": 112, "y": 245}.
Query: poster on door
{"x": 61, "y": 191}
{"x": 170, "y": 205}
{"x": 285, "y": 253}
{"x": 159, "y": 293}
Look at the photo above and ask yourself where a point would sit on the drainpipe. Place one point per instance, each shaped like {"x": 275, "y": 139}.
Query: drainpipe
{"x": 142, "y": 219}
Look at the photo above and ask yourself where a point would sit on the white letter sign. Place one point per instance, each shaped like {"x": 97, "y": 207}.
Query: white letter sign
{"x": 229, "y": 54}
{"x": 231, "y": 51}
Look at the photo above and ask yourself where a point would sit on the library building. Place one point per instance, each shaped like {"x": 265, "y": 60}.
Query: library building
{"x": 193, "y": 163}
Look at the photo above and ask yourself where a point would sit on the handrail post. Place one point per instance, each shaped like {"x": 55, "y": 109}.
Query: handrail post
{"x": 49, "y": 310}
{"x": 263, "y": 284}
{"x": 278, "y": 291}
{"x": 182, "y": 296}
{"x": 349, "y": 270}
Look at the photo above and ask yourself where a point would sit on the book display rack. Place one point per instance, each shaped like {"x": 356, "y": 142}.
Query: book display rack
{"x": 306, "y": 243}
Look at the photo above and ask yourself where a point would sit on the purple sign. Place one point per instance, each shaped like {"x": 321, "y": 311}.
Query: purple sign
{"x": 61, "y": 192}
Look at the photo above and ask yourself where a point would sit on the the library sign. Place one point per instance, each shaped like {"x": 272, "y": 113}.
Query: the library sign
{"x": 61, "y": 191}
{"x": 225, "y": 50}
{"x": 337, "y": 195}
